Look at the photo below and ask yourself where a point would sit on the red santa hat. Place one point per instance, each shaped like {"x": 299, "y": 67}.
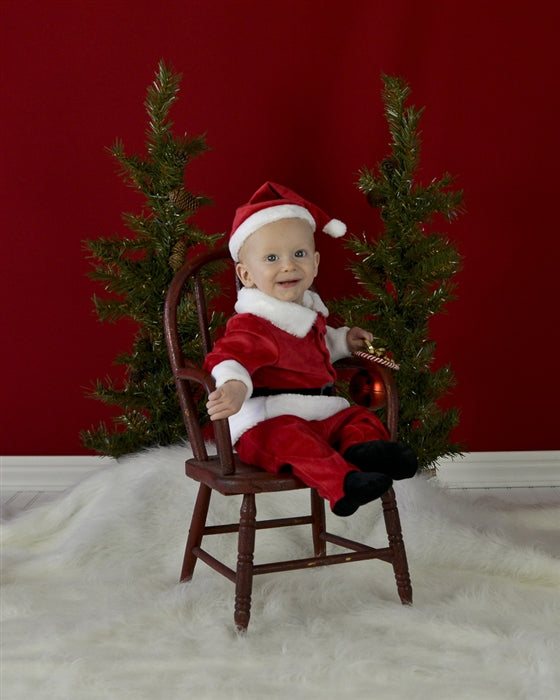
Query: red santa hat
{"x": 273, "y": 202}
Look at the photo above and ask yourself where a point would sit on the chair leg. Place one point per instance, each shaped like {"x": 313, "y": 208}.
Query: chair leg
{"x": 394, "y": 532}
{"x": 319, "y": 524}
{"x": 245, "y": 551}
{"x": 198, "y": 521}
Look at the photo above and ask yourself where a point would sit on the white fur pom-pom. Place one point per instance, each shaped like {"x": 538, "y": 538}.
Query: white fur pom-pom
{"x": 335, "y": 228}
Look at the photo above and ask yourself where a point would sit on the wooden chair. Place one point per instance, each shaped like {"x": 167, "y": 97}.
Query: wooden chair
{"x": 226, "y": 473}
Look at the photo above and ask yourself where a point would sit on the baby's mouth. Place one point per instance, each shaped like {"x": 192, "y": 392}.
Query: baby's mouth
{"x": 288, "y": 283}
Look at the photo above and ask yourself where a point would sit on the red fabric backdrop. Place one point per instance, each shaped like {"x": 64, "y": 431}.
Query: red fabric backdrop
{"x": 290, "y": 92}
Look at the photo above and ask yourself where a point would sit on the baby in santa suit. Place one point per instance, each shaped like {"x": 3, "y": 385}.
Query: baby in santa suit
{"x": 273, "y": 366}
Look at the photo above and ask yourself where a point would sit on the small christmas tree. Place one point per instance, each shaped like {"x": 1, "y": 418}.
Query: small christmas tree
{"x": 407, "y": 277}
{"x": 136, "y": 271}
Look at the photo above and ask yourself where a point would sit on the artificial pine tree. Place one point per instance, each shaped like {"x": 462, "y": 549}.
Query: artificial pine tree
{"x": 406, "y": 276}
{"x": 136, "y": 271}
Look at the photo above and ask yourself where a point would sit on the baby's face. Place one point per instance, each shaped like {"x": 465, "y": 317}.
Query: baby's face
{"x": 280, "y": 260}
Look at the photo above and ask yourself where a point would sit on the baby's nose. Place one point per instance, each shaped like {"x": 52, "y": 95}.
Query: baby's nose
{"x": 288, "y": 263}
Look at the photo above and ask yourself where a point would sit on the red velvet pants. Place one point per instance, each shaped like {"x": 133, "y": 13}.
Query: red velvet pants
{"x": 313, "y": 449}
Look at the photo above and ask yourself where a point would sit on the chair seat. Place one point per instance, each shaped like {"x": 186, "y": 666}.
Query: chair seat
{"x": 246, "y": 479}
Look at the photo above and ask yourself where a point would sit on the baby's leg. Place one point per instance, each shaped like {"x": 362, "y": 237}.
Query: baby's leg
{"x": 304, "y": 446}
{"x": 289, "y": 440}
{"x": 364, "y": 442}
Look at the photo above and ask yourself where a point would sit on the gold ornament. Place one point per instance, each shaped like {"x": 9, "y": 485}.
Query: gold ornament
{"x": 379, "y": 356}
{"x": 378, "y": 352}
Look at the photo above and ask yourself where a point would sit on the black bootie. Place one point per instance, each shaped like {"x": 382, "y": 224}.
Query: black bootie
{"x": 395, "y": 459}
{"x": 361, "y": 488}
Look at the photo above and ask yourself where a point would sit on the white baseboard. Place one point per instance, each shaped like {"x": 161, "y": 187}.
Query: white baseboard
{"x": 474, "y": 470}
{"x": 486, "y": 470}
{"x": 52, "y": 473}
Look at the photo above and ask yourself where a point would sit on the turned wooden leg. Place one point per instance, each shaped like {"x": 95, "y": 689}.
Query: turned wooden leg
{"x": 198, "y": 521}
{"x": 246, "y": 548}
{"x": 319, "y": 523}
{"x": 394, "y": 532}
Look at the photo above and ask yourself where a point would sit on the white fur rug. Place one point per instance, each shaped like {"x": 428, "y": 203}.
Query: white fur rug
{"x": 92, "y": 607}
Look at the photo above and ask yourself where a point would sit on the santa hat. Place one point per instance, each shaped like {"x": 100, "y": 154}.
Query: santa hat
{"x": 273, "y": 202}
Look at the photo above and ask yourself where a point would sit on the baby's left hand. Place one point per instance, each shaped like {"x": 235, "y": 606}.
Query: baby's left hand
{"x": 355, "y": 338}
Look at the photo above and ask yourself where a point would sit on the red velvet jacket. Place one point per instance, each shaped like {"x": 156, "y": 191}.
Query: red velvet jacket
{"x": 272, "y": 345}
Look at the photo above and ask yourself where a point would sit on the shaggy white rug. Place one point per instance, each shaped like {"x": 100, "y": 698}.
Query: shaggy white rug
{"x": 92, "y": 607}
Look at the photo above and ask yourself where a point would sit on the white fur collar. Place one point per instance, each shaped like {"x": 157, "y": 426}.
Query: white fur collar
{"x": 296, "y": 319}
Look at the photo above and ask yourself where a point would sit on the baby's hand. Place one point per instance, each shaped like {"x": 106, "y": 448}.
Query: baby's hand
{"x": 226, "y": 400}
{"x": 355, "y": 338}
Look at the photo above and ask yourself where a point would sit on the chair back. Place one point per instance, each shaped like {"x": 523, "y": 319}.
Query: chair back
{"x": 190, "y": 283}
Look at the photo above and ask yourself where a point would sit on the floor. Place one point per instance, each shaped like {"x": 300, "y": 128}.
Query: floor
{"x": 13, "y": 502}
{"x": 82, "y": 624}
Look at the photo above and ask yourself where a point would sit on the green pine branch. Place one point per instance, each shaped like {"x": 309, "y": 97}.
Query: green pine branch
{"x": 135, "y": 271}
{"x": 407, "y": 275}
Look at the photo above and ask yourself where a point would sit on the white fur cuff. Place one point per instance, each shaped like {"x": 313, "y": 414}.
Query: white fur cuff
{"x": 336, "y": 342}
{"x": 229, "y": 370}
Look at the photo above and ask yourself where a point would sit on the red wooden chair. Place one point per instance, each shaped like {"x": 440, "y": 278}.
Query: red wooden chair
{"x": 226, "y": 473}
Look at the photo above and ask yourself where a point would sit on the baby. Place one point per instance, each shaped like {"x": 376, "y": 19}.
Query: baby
{"x": 273, "y": 366}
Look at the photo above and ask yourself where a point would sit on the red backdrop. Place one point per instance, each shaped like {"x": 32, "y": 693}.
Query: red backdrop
{"x": 290, "y": 92}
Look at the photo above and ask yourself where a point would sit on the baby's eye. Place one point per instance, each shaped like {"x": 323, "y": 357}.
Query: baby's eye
{"x": 300, "y": 253}
{"x": 271, "y": 258}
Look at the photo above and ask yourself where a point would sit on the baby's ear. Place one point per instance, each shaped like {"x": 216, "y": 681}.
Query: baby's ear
{"x": 243, "y": 273}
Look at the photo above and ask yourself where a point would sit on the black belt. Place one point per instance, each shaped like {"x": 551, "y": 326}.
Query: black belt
{"x": 326, "y": 390}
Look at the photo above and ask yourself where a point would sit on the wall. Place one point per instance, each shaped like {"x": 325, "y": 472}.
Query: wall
{"x": 290, "y": 92}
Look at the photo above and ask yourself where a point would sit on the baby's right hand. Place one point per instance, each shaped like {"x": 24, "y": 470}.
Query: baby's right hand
{"x": 227, "y": 400}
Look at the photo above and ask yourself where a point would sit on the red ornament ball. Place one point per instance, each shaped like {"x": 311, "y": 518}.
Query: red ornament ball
{"x": 367, "y": 389}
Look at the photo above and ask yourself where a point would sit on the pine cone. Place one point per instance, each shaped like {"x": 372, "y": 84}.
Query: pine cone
{"x": 375, "y": 200}
{"x": 183, "y": 200}
{"x": 178, "y": 254}
{"x": 388, "y": 166}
